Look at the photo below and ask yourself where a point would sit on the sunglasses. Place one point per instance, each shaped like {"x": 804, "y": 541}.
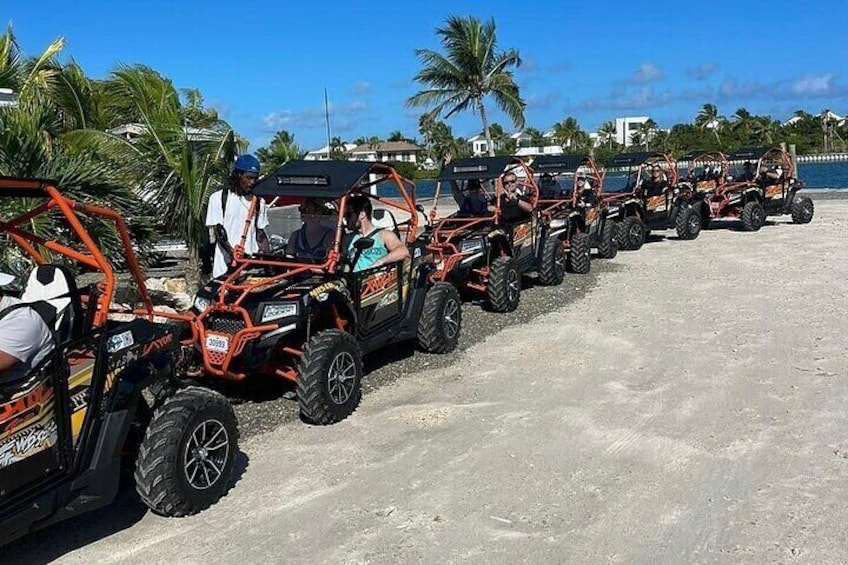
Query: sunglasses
{"x": 509, "y": 182}
{"x": 252, "y": 178}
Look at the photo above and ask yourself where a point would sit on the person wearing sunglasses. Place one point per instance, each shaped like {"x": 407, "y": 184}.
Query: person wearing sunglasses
{"x": 227, "y": 212}
{"x": 387, "y": 247}
{"x": 313, "y": 239}
{"x": 514, "y": 206}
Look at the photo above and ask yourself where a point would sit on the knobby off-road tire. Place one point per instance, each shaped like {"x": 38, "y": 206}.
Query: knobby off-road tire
{"x": 441, "y": 319}
{"x": 185, "y": 461}
{"x": 503, "y": 290}
{"x": 632, "y": 234}
{"x": 580, "y": 254}
{"x": 554, "y": 258}
{"x": 753, "y": 216}
{"x": 329, "y": 379}
{"x": 608, "y": 244}
{"x": 688, "y": 223}
{"x": 802, "y": 210}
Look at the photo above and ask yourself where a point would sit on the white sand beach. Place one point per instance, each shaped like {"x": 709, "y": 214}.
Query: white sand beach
{"x": 691, "y": 408}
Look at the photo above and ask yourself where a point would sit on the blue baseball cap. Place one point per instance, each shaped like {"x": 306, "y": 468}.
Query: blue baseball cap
{"x": 247, "y": 164}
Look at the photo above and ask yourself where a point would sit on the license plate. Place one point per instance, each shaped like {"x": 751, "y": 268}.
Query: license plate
{"x": 218, "y": 343}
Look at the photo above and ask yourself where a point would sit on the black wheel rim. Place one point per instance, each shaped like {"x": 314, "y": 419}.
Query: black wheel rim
{"x": 206, "y": 454}
{"x": 807, "y": 211}
{"x": 451, "y": 318}
{"x": 758, "y": 216}
{"x": 635, "y": 233}
{"x": 512, "y": 285}
{"x": 341, "y": 377}
{"x": 694, "y": 223}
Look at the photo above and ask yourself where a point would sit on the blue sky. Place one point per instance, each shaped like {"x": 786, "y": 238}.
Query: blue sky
{"x": 264, "y": 65}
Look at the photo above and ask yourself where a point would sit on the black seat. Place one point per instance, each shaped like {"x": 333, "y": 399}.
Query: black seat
{"x": 52, "y": 291}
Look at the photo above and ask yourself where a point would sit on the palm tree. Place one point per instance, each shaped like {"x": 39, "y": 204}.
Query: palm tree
{"x": 743, "y": 121}
{"x": 607, "y": 133}
{"x": 537, "y": 138}
{"x": 338, "y": 150}
{"x": 763, "y": 129}
{"x": 471, "y": 70}
{"x": 646, "y": 131}
{"x": 171, "y": 164}
{"x": 565, "y": 132}
{"x": 34, "y": 142}
{"x": 396, "y": 135}
{"x": 444, "y": 142}
{"x": 709, "y": 118}
{"x": 499, "y": 136}
{"x": 426, "y": 123}
{"x": 281, "y": 150}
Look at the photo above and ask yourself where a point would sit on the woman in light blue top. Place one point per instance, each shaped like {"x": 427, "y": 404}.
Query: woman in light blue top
{"x": 387, "y": 248}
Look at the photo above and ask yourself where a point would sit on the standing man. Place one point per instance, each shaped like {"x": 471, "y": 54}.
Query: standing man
{"x": 227, "y": 212}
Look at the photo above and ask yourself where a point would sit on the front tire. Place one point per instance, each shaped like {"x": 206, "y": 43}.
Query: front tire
{"x": 802, "y": 210}
{"x": 554, "y": 257}
{"x": 580, "y": 254}
{"x": 503, "y": 289}
{"x": 441, "y": 319}
{"x": 688, "y": 223}
{"x": 753, "y": 216}
{"x": 632, "y": 233}
{"x": 608, "y": 245}
{"x": 329, "y": 381}
{"x": 186, "y": 459}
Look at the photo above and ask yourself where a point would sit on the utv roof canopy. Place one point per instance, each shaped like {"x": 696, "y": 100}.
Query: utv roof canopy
{"x": 748, "y": 153}
{"x": 634, "y": 159}
{"x": 556, "y": 164}
{"x": 484, "y": 168}
{"x": 317, "y": 179}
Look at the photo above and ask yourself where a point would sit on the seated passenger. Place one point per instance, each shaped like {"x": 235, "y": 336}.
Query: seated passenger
{"x": 549, "y": 188}
{"x": 585, "y": 191}
{"x": 656, "y": 184}
{"x": 312, "y": 240}
{"x": 472, "y": 200}
{"x": 514, "y": 207}
{"x": 747, "y": 171}
{"x": 25, "y": 340}
{"x": 387, "y": 248}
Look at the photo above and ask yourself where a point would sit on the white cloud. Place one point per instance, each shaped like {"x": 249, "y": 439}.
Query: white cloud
{"x": 702, "y": 71}
{"x": 811, "y": 85}
{"x": 343, "y": 115}
{"x": 361, "y": 87}
{"x": 647, "y": 72}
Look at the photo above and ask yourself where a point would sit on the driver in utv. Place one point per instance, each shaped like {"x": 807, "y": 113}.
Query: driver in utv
{"x": 25, "y": 340}
{"x": 313, "y": 239}
{"x": 387, "y": 247}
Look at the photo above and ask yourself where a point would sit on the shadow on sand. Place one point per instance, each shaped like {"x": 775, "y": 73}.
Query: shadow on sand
{"x": 51, "y": 543}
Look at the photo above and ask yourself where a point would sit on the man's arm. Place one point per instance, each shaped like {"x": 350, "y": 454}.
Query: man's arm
{"x": 222, "y": 239}
{"x": 7, "y": 361}
{"x": 397, "y": 250}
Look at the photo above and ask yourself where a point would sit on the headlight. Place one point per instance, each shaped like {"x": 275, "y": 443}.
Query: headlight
{"x": 201, "y": 303}
{"x": 278, "y": 310}
{"x": 471, "y": 245}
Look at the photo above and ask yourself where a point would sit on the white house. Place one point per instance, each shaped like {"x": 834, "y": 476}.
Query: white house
{"x": 323, "y": 154}
{"x": 402, "y": 151}
{"x": 8, "y": 97}
{"x": 626, "y": 127}
{"x": 479, "y": 145}
{"x": 134, "y": 131}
